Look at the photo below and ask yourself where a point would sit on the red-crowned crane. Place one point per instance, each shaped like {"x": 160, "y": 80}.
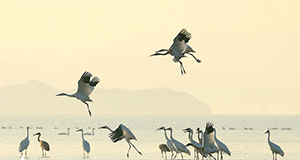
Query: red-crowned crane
{"x": 85, "y": 88}
{"x": 274, "y": 147}
{"x": 179, "y": 48}
{"x": 24, "y": 144}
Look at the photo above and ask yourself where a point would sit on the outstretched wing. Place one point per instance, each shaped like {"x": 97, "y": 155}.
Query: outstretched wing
{"x": 180, "y": 41}
{"x": 83, "y": 83}
{"x": 93, "y": 84}
{"x": 116, "y": 135}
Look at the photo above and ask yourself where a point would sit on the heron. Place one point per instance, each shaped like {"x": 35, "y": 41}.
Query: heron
{"x": 43, "y": 144}
{"x": 122, "y": 132}
{"x": 68, "y": 132}
{"x": 163, "y": 149}
{"x": 85, "y": 144}
{"x": 169, "y": 142}
{"x": 274, "y": 147}
{"x": 24, "y": 144}
{"x": 93, "y": 133}
{"x": 85, "y": 88}
{"x": 179, "y": 146}
{"x": 222, "y": 147}
{"x": 179, "y": 48}
{"x": 190, "y": 131}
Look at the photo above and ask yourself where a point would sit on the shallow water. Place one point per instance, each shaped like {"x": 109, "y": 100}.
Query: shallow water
{"x": 242, "y": 142}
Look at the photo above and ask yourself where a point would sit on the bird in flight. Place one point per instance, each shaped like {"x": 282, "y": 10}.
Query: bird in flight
{"x": 85, "y": 88}
{"x": 179, "y": 48}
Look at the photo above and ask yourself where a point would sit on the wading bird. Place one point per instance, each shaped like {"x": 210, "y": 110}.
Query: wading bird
{"x": 179, "y": 48}
{"x": 43, "y": 144}
{"x": 274, "y": 147}
{"x": 85, "y": 88}
{"x": 24, "y": 144}
{"x": 68, "y": 132}
{"x": 85, "y": 144}
{"x": 93, "y": 133}
{"x": 120, "y": 133}
{"x": 169, "y": 142}
{"x": 179, "y": 146}
{"x": 222, "y": 147}
{"x": 163, "y": 149}
{"x": 190, "y": 131}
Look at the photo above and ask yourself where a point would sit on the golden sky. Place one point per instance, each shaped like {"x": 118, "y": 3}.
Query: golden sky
{"x": 245, "y": 47}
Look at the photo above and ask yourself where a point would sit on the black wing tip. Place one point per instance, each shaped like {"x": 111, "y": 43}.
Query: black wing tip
{"x": 116, "y": 135}
{"x": 94, "y": 81}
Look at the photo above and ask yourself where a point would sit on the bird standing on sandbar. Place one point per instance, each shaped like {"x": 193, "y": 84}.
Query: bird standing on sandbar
{"x": 85, "y": 88}
{"x": 85, "y": 144}
{"x": 179, "y": 48}
{"x": 43, "y": 144}
{"x": 24, "y": 144}
{"x": 120, "y": 133}
{"x": 274, "y": 147}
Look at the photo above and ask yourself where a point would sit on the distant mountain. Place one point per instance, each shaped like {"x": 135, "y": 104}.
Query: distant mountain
{"x": 35, "y": 97}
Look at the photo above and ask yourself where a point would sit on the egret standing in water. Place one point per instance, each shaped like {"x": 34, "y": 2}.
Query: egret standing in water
{"x": 93, "y": 132}
{"x": 24, "y": 144}
{"x": 68, "y": 132}
{"x": 85, "y": 88}
{"x": 274, "y": 147}
{"x": 120, "y": 133}
{"x": 179, "y": 146}
{"x": 222, "y": 147}
{"x": 85, "y": 144}
{"x": 179, "y": 48}
{"x": 43, "y": 144}
{"x": 169, "y": 142}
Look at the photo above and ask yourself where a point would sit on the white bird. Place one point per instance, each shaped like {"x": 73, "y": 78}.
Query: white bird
{"x": 43, "y": 144}
{"x": 198, "y": 145}
{"x": 222, "y": 147}
{"x": 85, "y": 144}
{"x": 120, "y": 133}
{"x": 274, "y": 147}
{"x": 24, "y": 144}
{"x": 169, "y": 142}
{"x": 93, "y": 133}
{"x": 163, "y": 149}
{"x": 179, "y": 146}
{"x": 68, "y": 132}
{"x": 179, "y": 48}
{"x": 209, "y": 146}
{"x": 85, "y": 88}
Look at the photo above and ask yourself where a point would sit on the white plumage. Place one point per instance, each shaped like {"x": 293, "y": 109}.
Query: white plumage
{"x": 85, "y": 88}
{"x": 222, "y": 147}
{"x": 196, "y": 144}
{"x": 24, "y": 144}
{"x": 63, "y": 133}
{"x": 93, "y": 132}
{"x": 179, "y": 48}
{"x": 179, "y": 146}
{"x": 120, "y": 133}
{"x": 85, "y": 144}
{"x": 169, "y": 142}
{"x": 274, "y": 147}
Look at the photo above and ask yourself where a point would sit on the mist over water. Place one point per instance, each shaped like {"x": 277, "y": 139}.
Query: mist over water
{"x": 243, "y": 135}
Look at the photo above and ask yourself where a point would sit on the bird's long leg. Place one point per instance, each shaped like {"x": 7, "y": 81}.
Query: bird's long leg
{"x": 26, "y": 152}
{"x": 83, "y": 153}
{"x": 128, "y": 149}
{"x": 172, "y": 154}
{"x": 181, "y": 67}
{"x": 135, "y": 148}
{"x": 175, "y": 155}
{"x": 181, "y": 155}
{"x": 197, "y": 60}
{"x": 88, "y": 107}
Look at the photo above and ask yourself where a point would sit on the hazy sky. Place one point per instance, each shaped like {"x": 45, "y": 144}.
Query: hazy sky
{"x": 247, "y": 48}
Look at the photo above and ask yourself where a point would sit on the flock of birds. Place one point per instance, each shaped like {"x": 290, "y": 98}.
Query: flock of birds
{"x": 206, "y": 144}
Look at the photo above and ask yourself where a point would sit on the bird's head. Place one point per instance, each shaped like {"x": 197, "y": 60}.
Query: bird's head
{"x": 79, "y": 130}
{"x": 187, "y": 130}
{"x": 161, "y": 128}
{"x": 170, "y": 129}
{"x": 61, "y": 94}
{"x": 106, "y": 127}
{"x": 38, "y": 133}
{"x": 268, "y": 131}
{"x": 198, "y": 130}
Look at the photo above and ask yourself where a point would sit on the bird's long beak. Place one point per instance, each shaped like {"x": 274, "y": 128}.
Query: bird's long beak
{"x": 58, "y": 94}
{"x": 101, "y": 127}
{"x": 158, "y": 129}
{"x": 185, "y": 130}
{"x": 35, "y": 134}
{"x": 78, "y": 130}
